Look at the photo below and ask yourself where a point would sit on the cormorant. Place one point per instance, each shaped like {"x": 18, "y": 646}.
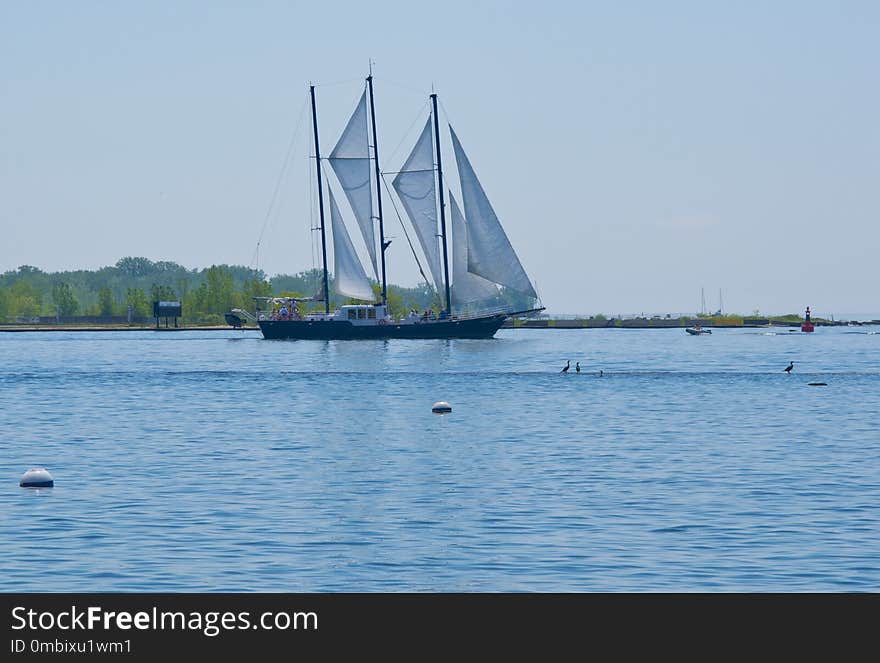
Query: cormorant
{"x": 788, "y": 368}
{"x": 577, "y": 367}
{"x": 567, "y": 365}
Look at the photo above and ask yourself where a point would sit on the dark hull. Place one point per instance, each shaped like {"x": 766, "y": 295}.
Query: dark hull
{"x": 233, "y": 320}
{"x": 326, "y": 330}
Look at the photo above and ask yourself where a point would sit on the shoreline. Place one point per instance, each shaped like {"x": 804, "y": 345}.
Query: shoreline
{"x": 648, "y": 323}
{"x": 508, "y": 324}
{"x": 109, "y": 328}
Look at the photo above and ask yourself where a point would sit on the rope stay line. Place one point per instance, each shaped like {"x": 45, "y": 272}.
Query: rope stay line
{"x": 406, "y": 234}
{"x": 419, "y": 115}
{"x": 254, "y": 263}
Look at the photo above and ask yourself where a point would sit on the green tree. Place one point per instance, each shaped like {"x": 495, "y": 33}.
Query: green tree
{"x": 64, "y": 300}
{"x": 162, "y": 293}
{"x": 105, "y": 301}
{"x": 29, "y": 270}
{"x": 25, "y": 299}
{"x": 309, "y": 282}
{"x": 252, "y": 288}
{"x": 256, "y": 288}
{"x": 4, "y": 304}
{"x": 395, "y": 303}
{"x": 183, "y": 284}
{"x": 195, "y": 303}
{"x": 220, "y": 296}
{"x": 136, "y": 298}
{"x": 135, "y": 267}
{"x": 167, "y": 267}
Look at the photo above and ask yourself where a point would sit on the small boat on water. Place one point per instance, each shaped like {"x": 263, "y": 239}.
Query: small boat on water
{"x": 234, "y": 318}
{"x": 696, "y": 330}
{"x": 483, "y": 265}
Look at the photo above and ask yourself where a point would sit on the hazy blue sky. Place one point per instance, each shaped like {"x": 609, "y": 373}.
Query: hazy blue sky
{"x": 634, "y": 151}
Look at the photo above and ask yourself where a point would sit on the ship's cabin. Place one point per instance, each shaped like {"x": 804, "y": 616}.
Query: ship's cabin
{"x": 286, "y": 308}
{"x": 362, "y": 314}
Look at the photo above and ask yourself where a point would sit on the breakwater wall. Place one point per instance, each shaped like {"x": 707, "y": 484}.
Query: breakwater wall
{"x": 665, "y": 323}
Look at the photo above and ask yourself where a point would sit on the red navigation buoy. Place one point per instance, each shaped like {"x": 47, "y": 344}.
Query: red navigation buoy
{"x": 806, "y": 325}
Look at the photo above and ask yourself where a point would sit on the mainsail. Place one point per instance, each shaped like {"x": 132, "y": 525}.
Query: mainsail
{"x": 414, "y": 185}
{"x": 349, "y": 275}
{"x": 350, "y": 160}
{"x": 466, "y": 287}
{"x": 490, "y": 254}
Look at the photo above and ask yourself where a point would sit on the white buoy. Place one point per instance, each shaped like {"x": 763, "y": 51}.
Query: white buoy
{"x": 37, "y": 477}
{"x": 441, "y": 407}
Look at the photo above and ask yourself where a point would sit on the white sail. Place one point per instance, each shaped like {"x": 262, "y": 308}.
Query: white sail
{"x": 414, "y": 185}
{"x": 490, "y": 254}
{"x": 466, "y": 287}
{"x": 348, "y": 272}
{"x": 350, "y": 160}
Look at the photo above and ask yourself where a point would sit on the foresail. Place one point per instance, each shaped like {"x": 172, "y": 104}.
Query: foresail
{"x": 490, "y": 254}
{"x": 350, "y": 160}
{"x": 415, "y": 187}
{"x": 348, "y": 273}
{"x": 466, "y": 287}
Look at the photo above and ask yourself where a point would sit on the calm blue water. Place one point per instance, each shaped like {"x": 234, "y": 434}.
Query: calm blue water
{"x": 211, "y": 461}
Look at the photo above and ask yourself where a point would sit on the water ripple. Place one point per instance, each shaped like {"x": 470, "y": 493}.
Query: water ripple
{"x": 191, "y": 462}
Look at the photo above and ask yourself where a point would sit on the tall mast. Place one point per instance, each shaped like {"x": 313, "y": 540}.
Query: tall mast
{"x": 442, "y": 205}
{"x": 320, "y": 201}
{"x": 378, "y": 190}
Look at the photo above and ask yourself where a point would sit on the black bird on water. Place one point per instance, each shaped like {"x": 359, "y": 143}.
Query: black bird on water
{"x": 577, "y": 367}
{"x": 788, "y": 368}
{"x": 567, "y": 365}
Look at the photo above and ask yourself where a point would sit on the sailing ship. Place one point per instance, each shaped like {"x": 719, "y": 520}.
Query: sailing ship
{"x": 483, "y": 262}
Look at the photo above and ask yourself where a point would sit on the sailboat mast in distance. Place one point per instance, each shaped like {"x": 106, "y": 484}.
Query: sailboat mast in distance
{"x": 382, "y": 243}
{"x": 442, "y": 205}
{"x": 320, "y": 201}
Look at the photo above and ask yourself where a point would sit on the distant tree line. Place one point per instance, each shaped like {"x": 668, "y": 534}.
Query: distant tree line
{"x": 206, "y": 294}
{"x": 132, "y": 282}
